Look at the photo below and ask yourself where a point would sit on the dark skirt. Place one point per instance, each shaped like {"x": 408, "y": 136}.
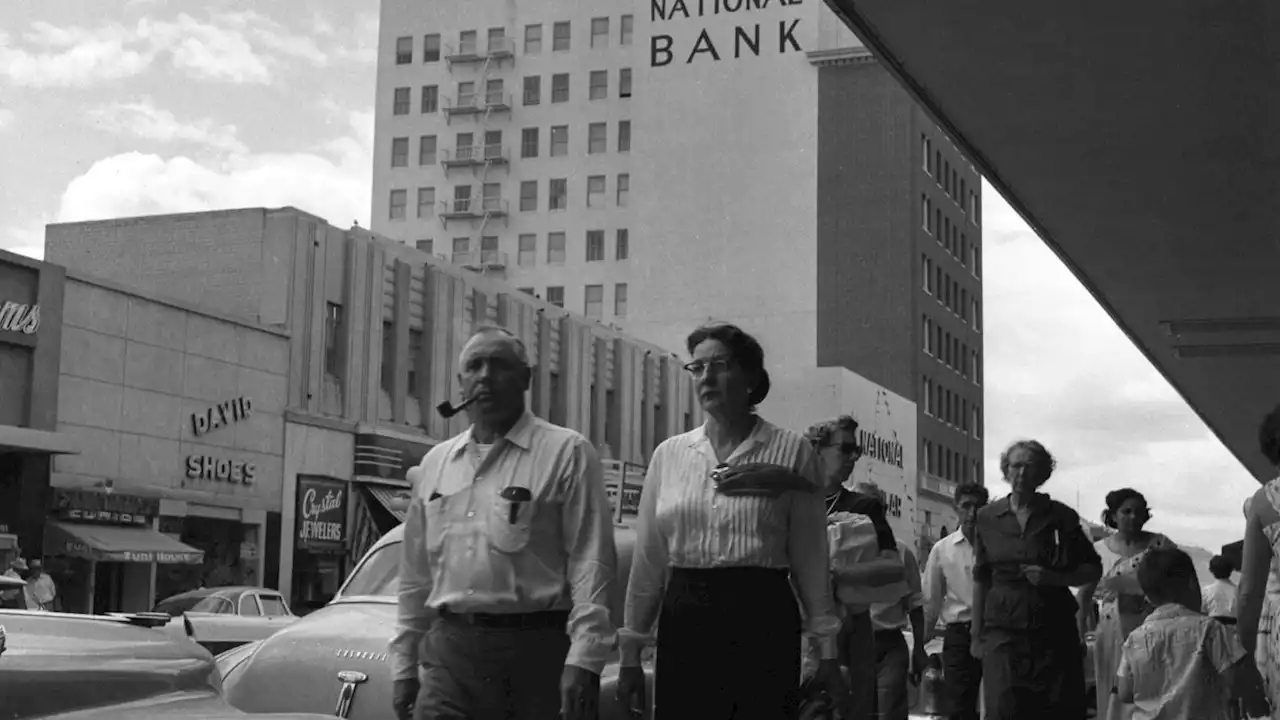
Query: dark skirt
{"x": 1034, "y": 673}
{"x": 728, "y": 646}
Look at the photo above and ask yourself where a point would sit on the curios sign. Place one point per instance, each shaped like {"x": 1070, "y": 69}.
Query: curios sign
{"x": 321, "y": 513}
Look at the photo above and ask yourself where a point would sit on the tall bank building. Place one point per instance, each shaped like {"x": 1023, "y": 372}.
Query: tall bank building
{"x": 656, "y": 165}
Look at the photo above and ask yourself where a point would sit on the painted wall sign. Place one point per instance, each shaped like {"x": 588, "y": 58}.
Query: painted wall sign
{"x": 747, "y": 39}
{"x": 322, "y": 513}
{"x": 101, "y": 507}
{"x": 19, "y": 318}
{"x": 207, "y": 467}
{"x": 221, "y": 415}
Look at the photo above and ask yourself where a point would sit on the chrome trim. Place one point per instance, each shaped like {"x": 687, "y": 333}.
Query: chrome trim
{"x": 349, "y": 679}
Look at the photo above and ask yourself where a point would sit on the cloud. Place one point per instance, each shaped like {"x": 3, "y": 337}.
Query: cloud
{"x": 1058, "y": 369}
{"x": 144, "y": 120}
{"x": 237, "y": 47}
{"x": 7, "y": 117}
{"x": 331, "y": 182}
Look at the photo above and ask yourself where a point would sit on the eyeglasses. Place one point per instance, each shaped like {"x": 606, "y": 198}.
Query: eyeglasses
{"x": 700, "y": 367}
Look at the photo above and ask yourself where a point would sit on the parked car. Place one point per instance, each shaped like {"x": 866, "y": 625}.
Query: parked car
{"x": 339, "y": 652}
{"x": 61, "y": 666}
{"x": 222, "y": 618}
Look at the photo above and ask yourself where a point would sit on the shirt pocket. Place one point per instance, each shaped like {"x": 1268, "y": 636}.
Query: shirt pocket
{"x": 511, "y": 523}
{"x": 437, "y": 524}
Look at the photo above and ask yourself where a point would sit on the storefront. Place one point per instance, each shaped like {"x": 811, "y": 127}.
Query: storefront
{"x": 182, "y": 410}
{"x": 31, "y": 299}
{"x": 320, "y": 540}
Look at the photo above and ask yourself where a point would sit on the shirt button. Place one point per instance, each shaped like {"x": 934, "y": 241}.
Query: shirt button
{"x": 470, "y": 591}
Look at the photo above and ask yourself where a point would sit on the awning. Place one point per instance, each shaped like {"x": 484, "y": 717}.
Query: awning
{"x": 112, "y": 543}
{"x": 42, "y": 441}
{"x": 394, "y": 499}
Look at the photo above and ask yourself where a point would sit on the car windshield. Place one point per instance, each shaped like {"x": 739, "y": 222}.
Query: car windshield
{"x": 377, "y": 576}
{"x": 198, "y": 603}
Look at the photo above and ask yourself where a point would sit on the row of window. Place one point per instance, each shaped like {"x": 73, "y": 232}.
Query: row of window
{"x": 949, "y": 293}
{"x": 949, "y": 464}
{"x": 949, "y": 179}
{"x": 950, "y": 407}
{"x": 466, "y": 148}
{"x": 597, "y": 86}
{"x": 496, "y": 39}
{"x": 491, "y": 200}
{"x": 950, "y": 237}
{"x": 592, "y": 299}
{"x": 527, "y": 247}
{"x": 949, "y": 350}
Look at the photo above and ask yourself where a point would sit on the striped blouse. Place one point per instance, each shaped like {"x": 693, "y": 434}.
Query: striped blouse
{"x": 684, "y": 523}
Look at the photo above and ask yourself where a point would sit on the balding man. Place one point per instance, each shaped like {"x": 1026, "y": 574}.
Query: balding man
{"x": 509, "y": 564}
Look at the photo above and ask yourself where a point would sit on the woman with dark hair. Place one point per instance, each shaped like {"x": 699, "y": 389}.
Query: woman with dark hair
{"x": 1029, "y": 551}
{"x": 1122, "y": 606}
{"x": 731, "y": 516}
{"x": 1258, "y": 603}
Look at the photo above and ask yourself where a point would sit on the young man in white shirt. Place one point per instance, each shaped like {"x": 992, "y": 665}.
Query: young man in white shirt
{"x": 948, "y": 596}
{"x": 1219, "y": 596}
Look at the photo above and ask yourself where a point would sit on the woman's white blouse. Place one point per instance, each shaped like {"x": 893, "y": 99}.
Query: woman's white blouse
{"x": 684, "y": 523}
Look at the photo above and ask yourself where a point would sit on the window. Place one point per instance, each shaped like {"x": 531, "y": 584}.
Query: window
{"x": 560, "y": 36}
{"x": 529, "y": 143}
{"x": 489, "y": 248}
{"x": 532, "y": 89}
{"x": 977, "y": 315}
{"x": 937, "y": 166}
{"x": 559, "y": 140}
{"x": 493, "y": 94}
{"x": 599, "y": 88}
{"x": 620, "y": 300}
{"x": 398, "y": 200}
{"x": 624, "y": 136}
{"x": 555, "y": 254}
{"x": 926, "y": 269}
{"x": 461, "y": 198}
{"x": 964, "y": 360}
{"x": 977, "y": 367}
{"x": 558, "y": 194}
{"x": 924, "y": 213}
{"x": 462, "y": 146}
{"x": 595, "y": 245}
{"x": 528, "y": 247}
{"x": 431, "y": 48}
{"x": 404, "y": 50}
{"x": 600, "y": 32}
{"x": 622, "y": 244}
{"x": 593, "y": 301}
{"x": 626, "y": 27}
{"x": 597, "y": 138}
{"x": 497, "y": 40}
{"x": 467, "y": 42}
{"x": 430, "y": 99}
{"x": 333, "y": 332}
{"x": 427, "y": 150}
{"x": 937, "y": 223}
{"x": 386, "y": 372}
{"x": 466, "y": 93}
{"x": 400, "y": 104}
{"x": 624, "y": 82}
{"x": 595, "y": 191}
{"x": 415, "y": 351}
{"x": 945, "y": 238}
{"x": 927, "y": 343}
{"x": 964, "y": 304}
{"x": 492, "y": 144}
{"x": 400, "y": 152}
{"x": 560, "y": 88}
{"x": 925, "y": 150}
{"x": 273, "y": 606}
{"x": 492, "y": 196}
{"x": 624, "y": 189}
{"x": 555, "y": 296}
{"x": 528, "y": 195}
{"x": 977, "y": 261}
{"x": 426, "y": 245}
{"x": 532, "y": 39}
{"x": 426, "y": 202}
{"x": 977, "y": 422}
{"x": 964, "y": 249}
{"x": 925, "y": 398}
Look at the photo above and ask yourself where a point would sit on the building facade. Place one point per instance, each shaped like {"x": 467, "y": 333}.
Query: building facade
{"x": 503, "y": 137}
{"x": 373, "y": 329}
{"x": 178, "y": 412}
{"x": 31, "y": 297}
{"x": 782, "y": 180}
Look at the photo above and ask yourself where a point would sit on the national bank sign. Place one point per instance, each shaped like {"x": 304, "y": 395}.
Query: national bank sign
{"x": 762, "y": 26}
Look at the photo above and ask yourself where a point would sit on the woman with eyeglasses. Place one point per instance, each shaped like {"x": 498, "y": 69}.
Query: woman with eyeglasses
{"x": 731, "y": 529}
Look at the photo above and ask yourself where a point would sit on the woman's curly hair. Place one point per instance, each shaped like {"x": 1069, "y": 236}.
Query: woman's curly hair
{"x": 1044, "y": 460}
{"x": 1117, "y": 498}
{"x": 820, "y": 434}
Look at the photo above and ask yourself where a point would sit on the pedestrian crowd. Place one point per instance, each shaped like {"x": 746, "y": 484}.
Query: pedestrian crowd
{"x": 767, "y": 586}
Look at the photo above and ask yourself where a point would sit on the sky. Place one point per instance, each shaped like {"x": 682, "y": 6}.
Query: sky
{"x": 115, "y": 108}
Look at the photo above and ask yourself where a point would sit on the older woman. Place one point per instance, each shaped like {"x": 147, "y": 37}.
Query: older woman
{"x": 731, "y": 516}
{"x": 1122, "y": 604}
{"x": 1258, "y": 604}
{"x": 1029, "y": 551}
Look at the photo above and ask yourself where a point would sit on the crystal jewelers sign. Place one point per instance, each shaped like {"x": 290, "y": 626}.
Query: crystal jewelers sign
{"x": 321, "y": 513}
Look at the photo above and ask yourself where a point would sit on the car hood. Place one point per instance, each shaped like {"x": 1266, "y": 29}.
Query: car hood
{"x": 296, "y": 670}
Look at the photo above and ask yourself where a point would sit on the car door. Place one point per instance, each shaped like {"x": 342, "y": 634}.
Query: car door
{"x": 275, "y": 610}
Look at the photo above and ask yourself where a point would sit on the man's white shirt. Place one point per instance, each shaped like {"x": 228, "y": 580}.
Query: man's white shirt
{"x": 948, "y": 581}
